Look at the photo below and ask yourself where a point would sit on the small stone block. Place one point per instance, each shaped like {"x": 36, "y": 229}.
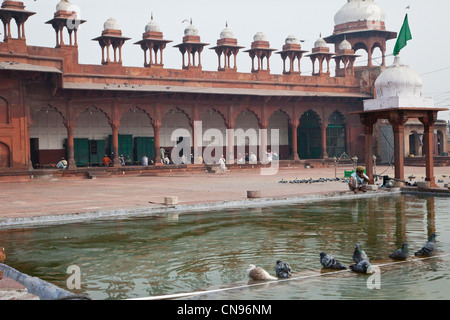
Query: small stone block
{"x": 372, "y": 187}
{"x": 423, "y": 185}
{"x": 253, "y": 194}
{"x": 170, "y": 201}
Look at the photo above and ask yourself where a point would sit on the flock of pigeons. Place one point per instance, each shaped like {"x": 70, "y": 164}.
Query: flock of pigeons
{"x": 361, "y": 261}
{"x": 311, "y": 180}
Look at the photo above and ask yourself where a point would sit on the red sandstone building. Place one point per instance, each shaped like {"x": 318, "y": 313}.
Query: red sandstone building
{"x": 51, "y": 106}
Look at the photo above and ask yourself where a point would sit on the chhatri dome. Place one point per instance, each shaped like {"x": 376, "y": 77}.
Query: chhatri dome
{"x": 398, "y": 87}
{"x": 226, "y": 33}
{"x": 259, "y": 36}
{"x": 320, "y": 43}
{"x": 191, "y": 30}
{"x": 345, "y": 45}
{"x": 359, "y": 10}
{"x": 291, "y": 40}
{"x": 65, "y": 5}
{"x": 152, "y": 26}
{"x": 111, "y": 24}
{"x": 398, "y": 80}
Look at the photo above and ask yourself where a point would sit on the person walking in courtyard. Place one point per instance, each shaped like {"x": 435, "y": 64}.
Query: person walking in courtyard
{"x": 162, "y": 154}
{"x": 222, "y": 165}
{"x": 358, "y": 181}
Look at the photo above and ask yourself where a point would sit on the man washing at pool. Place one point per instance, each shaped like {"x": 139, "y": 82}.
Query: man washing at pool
{"x": 358, "y": 181}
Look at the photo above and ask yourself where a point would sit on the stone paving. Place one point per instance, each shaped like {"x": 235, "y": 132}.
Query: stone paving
{"x": 59, "y": 196}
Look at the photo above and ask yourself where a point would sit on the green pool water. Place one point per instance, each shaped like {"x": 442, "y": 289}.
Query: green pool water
{"x": 176, "y": 253}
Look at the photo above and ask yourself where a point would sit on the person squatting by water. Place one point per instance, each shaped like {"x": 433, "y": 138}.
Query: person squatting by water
{"x": 358, "y": 181}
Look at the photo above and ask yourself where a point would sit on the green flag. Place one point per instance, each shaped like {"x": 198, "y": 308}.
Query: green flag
{"x": 403, "y": 37}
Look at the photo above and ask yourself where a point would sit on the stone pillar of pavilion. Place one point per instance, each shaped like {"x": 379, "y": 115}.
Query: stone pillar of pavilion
{"x": 345, "y": 60}
{"x": 14, "y": 10}
{"x": 292, "y": 51}
{"x": 153, "y": 42}
{"x": 66, "y": 17}
{"x": 322, "y": 54}
{"x": 227, "y": 46}
{"x": 193, "y": 47}
{"x": 111, "y": 37}
{"x": 260, "y": 50}
{"x": 399, "y": 98}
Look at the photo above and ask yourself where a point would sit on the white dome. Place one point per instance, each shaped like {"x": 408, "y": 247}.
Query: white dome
{"x": 65, "y": 5}
{"x": 152, "y": 26}
{"x": 291, "y": 40}
{"x": 259, "y": 37}
{"x": 345, "y": 45}
{"x": 398, "y": 80}
{"x": 359, "y": 10}
{"x": 320, "y": 43}
{"x": 191, "y": 30}
{"x": 226, "y": 33}
{"x": 111, "y": 24}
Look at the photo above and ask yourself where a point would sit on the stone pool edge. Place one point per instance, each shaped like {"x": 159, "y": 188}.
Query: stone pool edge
{"x": 30, "y": 221}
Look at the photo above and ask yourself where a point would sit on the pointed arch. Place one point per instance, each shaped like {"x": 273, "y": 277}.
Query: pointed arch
{"x": 5, "y": 155}
{"x": 4, "y": 111}
{"x": 309, "y": 135}
{"x": 336, "y": 135}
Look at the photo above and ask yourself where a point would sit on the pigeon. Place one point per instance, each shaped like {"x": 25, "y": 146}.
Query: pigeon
{"x": 429, "y": 248}
{"x": 328, "y": 262}
{"x": 359, "y": 255}
{"x": 363, "y": 266}
{"x": 283, "y": 269}
{"x": 400, "y": 254}
{"x": 257, "y": 273}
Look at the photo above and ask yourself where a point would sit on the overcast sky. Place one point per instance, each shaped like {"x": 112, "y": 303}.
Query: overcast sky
{"x": 427, "y": 53}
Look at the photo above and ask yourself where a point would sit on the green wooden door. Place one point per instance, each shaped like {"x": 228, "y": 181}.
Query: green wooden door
{"x": 81, "y": 151}
{"x": 125, "y": 145}
{"x": 96, "y": 150}
{"x": 144, "y": 146}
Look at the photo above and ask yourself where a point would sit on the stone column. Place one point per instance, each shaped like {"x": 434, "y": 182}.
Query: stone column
{"x": 156, "y": 129}
{"x": 115, "y": 136}
{"x": 398, "y": 120}
{"x": 230, "y": 145}
{"x": 71, "y": 164}
{"x": 368, "y": 124}
{"x": 324, "y": 140}
{"x": 428, "y": 142}
{"x": 294, "y": 128}
{"x": 197, "y": 134}
{"x": 263, "y": 147}
{"x": 348, "y": 139}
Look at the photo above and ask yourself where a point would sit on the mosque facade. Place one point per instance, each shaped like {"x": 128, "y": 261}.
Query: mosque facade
{"x": 51, "y": 106}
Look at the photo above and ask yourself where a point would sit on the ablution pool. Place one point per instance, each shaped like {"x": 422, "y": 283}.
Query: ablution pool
{"x": 176, "y": 253}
